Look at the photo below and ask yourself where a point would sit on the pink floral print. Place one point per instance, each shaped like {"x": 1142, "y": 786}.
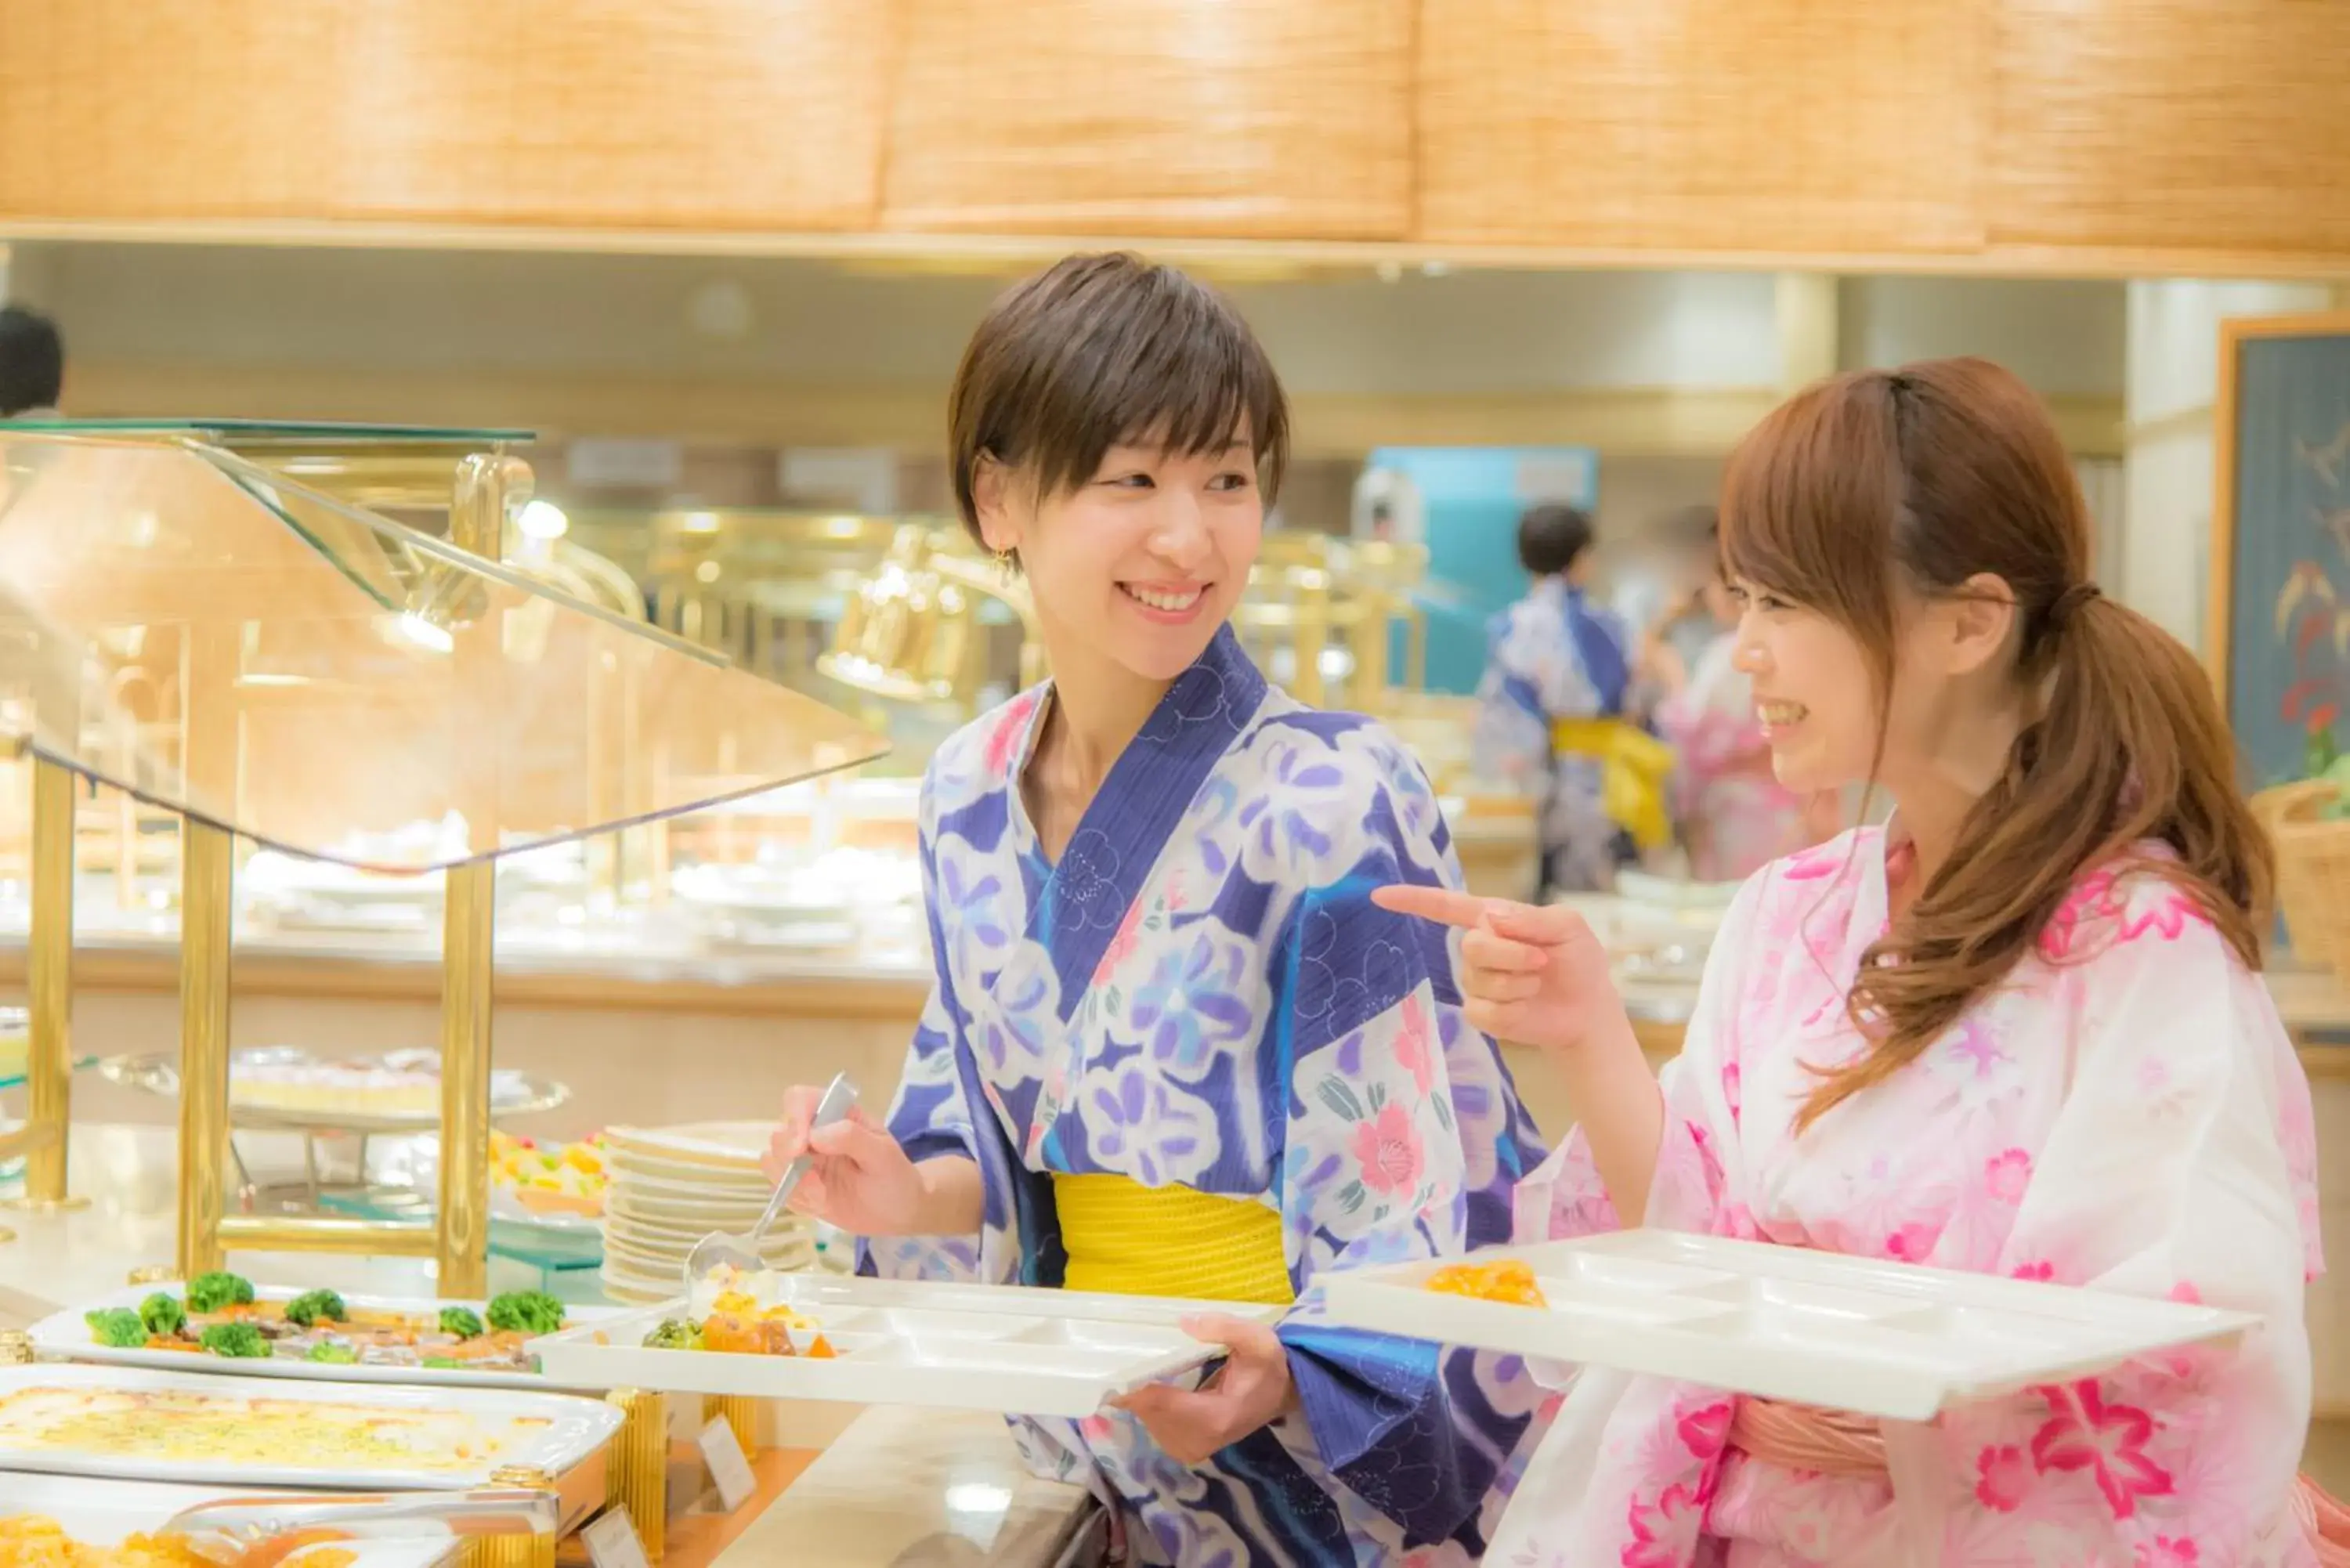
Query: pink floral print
{"x": 1387, "y": 1147}
{"x": 1663, "y": 1531}
{"x": 2002, "y": 1478}
{"x": 1411, "y": 1045}
{"x": 2086, "y": 1433}
{"x": 2006, "y": 1175}
{"x": 2022, "y": 1145}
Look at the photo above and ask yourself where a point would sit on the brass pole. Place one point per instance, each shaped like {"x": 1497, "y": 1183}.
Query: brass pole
{"x": 48, "y": 960}
{"x": 468, "y": 933}
{"x": 486, "y": 484}
{"x": 207, "y": 909}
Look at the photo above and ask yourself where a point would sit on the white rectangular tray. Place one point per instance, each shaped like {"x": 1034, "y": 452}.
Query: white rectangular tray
{"x": 1890, "y": 1340}
{"x": 1000, "y": 1349}
{"x": 66, "y": 1336}
{"x": 574, "y": 1430}
{"x": 102, "y": 1512}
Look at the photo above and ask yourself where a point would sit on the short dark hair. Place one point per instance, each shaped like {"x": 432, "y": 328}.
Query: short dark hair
{"x": 1552, "y": 538}
{"x": 32, "y": 361}
{"x": 1100, "y": 349}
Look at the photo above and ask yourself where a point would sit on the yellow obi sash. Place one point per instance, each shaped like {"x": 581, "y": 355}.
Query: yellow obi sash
{"x": 1634, "y": 767}
{"x": 1129, "y": 1240}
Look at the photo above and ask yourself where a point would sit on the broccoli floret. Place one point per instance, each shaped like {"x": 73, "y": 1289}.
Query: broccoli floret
{"x": 462, "y": 1322}
{"x": 308, "y": 1308}
{"x": 674, "y": 1334}
{"x": 446, "y": 1363}
{"x": 333, "y": 1352}
{"x": 238, "y": 1340}
{"x": 525, "y": 1312}
{"x": 117, "y": 1327}
{"x": 162, "y": 1314}
{"x": 218, "y": 1289}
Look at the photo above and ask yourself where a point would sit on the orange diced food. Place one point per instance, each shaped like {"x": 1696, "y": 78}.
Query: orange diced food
{"x": 1509, "y": 1281}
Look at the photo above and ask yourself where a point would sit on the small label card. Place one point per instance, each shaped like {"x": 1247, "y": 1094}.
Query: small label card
{"x": 728, "y": 1468}
{"x": 612, "y": 1541}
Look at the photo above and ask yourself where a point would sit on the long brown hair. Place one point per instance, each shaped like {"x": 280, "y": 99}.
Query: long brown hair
{"x": 1923, "y": 477}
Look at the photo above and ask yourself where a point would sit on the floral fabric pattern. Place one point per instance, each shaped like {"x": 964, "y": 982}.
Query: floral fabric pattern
{"x": 2126, "y": 1112}
{"x": 1199, "y": 993}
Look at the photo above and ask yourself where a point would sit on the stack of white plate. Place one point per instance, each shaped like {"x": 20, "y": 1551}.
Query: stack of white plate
{"x": 672, "y": 1186}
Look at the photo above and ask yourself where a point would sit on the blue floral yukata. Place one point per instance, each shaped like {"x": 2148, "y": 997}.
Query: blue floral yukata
{"x": 1201, "y": 992}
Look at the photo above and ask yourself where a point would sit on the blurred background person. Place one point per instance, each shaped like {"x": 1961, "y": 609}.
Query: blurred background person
{"x": 1558, "y": 714}
{"x": 1735, "y": 816}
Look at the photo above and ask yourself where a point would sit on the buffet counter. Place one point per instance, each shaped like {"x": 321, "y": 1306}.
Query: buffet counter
{"x": 890, "y": 1485}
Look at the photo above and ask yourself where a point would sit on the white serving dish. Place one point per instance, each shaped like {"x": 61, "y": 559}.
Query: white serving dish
{"x": 999, "y": 1349}
{"x": 102, "y": 1512}
{"x": 1890, "y": 1340}
{"x": 65, "y": 1336}
{"x": 569, "y": 1431}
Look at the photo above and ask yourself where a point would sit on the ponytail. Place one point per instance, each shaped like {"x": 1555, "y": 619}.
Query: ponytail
{"x": 2130, "y": 749}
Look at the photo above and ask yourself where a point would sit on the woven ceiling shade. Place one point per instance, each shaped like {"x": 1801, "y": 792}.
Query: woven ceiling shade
{"x": 1243, "y": 118}
{"x": 708, "y": 114}
{"x": 2173, "y": 123}
{"x": 1824, "y": 126}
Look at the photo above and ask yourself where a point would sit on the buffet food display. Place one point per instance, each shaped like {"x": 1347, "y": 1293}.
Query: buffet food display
{"x": 131, "y": 1424}
{"x": 221, "y": 1321}
{"x": 54, "y": 1521}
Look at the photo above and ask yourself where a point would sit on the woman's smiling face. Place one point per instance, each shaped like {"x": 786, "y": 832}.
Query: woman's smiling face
{"x": 1142, "y": 562}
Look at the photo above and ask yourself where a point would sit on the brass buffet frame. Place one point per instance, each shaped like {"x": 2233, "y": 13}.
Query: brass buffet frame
{"x": 476, "y": 490}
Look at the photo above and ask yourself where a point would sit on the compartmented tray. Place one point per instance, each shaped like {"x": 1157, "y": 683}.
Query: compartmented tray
{"x": 66, "y": 1335}
{"x": 1890, "y": 1340}
{"x": 127, "y": 1423}
{"x": 102, "y": 1512}
{"x": 1000, "y": 1349}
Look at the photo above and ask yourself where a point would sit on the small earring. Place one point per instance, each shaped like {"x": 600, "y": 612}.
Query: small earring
{"x": 1004, "y": 565}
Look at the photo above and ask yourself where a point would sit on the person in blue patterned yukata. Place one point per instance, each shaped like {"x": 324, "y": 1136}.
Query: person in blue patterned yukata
{"x": 1173, "y": 1049}
{"x": 1556, "y": 713}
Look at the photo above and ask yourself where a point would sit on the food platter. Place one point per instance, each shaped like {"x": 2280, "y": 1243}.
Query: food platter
{"x": 392, "y": 1338}
{"x": 103, "y": 1514}
{"x": 1884, "y": 1339}
{"x": 971, "y": 1348}
{"x": 286, "y": 1088}
{"x": 131, "y": 1424}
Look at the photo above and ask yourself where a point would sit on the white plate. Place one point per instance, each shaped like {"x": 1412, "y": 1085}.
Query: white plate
{"x": 967, "y": 1347}
{"x": 630, "y": 1202}
{"x": 629, "y": 1164}
{"x": 66, "y": 1335}
{"x": 567, "y": 1430}
{"x": 630, "y": 1184}
{"x": 101, "y": 1512}
{"x": 724, "y": 1144}
{"x": 1883, "y": 1339}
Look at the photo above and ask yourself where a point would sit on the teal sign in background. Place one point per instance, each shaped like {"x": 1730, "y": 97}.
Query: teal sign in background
{"x": 1471, "y": 498}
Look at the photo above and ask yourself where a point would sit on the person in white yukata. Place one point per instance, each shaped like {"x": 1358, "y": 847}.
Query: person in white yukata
{"x": 2017, "y": 1031}
{"x": 1173, "y": 1049}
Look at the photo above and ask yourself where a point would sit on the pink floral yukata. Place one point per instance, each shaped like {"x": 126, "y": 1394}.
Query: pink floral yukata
{"x": 2126, "y": 1112}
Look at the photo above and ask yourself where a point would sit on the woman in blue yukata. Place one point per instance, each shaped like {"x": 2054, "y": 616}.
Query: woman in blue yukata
{"x": 1556, "y": 715}
{"x": 1173, "y": 1048}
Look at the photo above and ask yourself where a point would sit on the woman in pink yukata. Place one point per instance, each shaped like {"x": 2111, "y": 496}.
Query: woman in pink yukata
{"x": 2017, "y": 1031}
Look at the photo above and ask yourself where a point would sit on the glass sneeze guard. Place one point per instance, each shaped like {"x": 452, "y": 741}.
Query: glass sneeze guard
{"x": 213, "y": 636}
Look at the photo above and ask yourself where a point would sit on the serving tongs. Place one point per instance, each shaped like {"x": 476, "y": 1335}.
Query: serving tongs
{"x": 261, "y": 1532}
